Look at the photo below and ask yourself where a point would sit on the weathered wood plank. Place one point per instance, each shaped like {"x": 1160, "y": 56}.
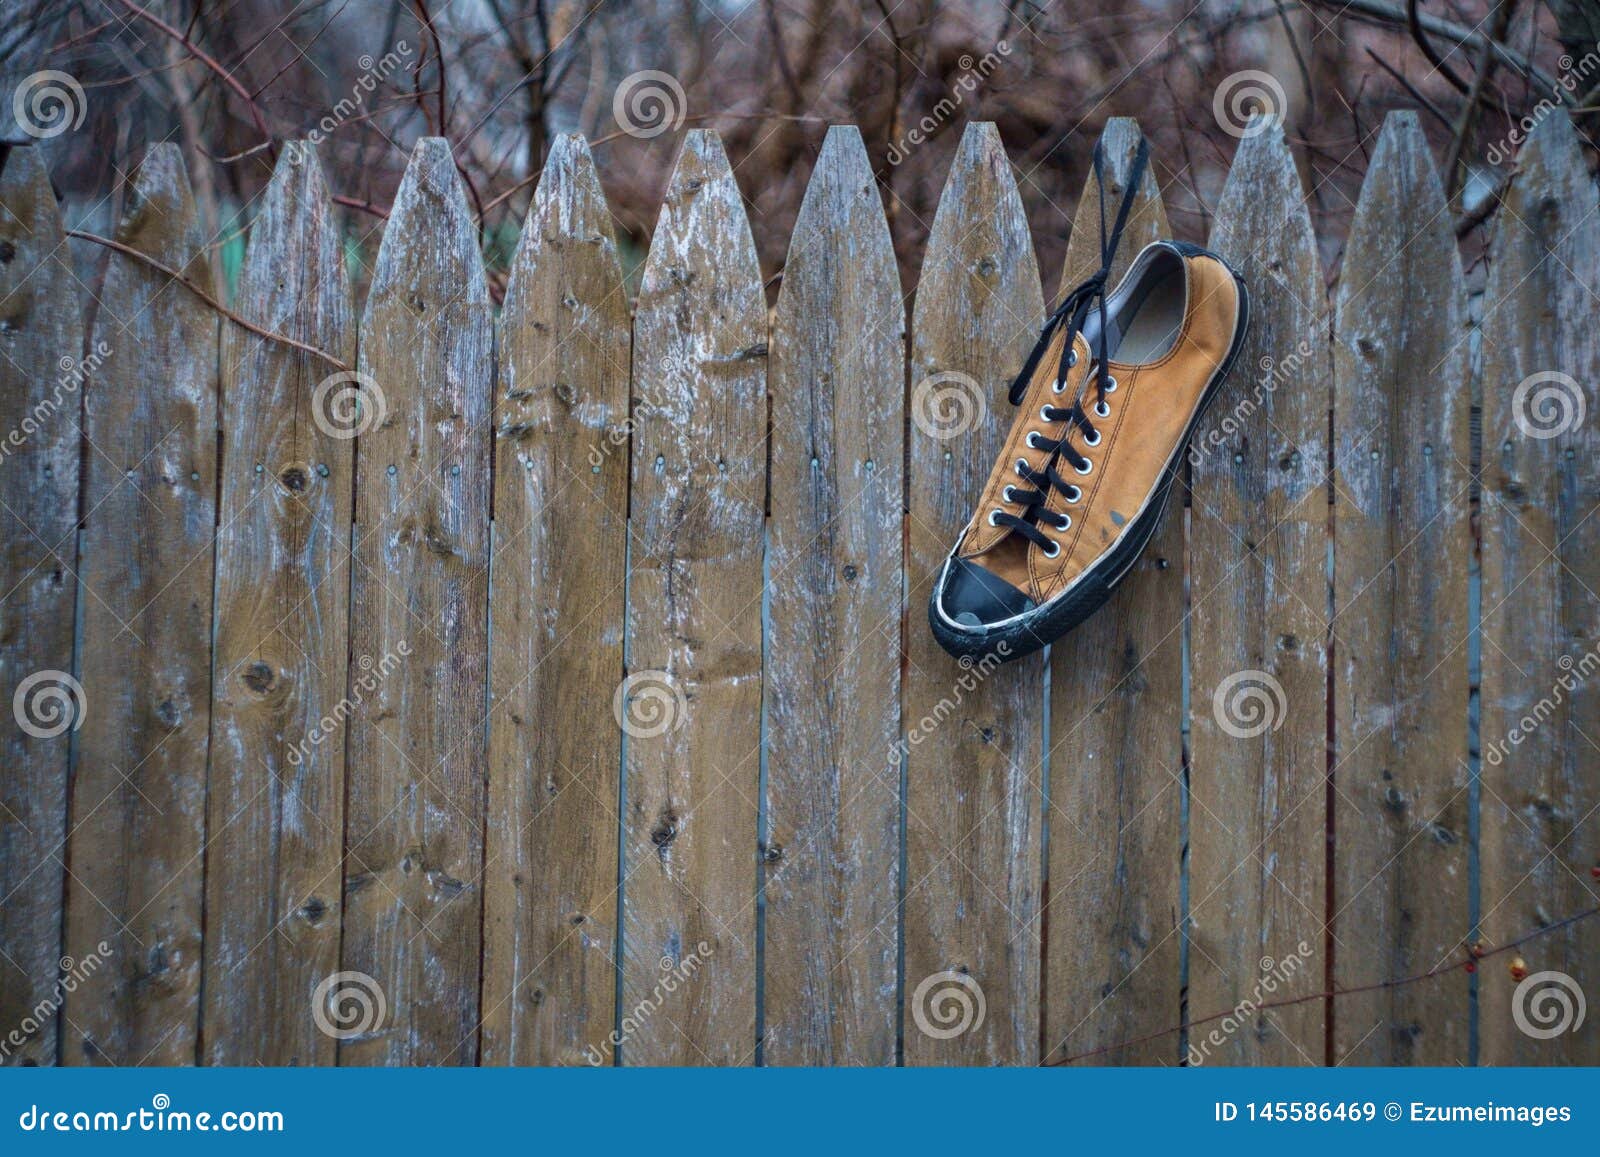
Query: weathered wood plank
{"x": 1402, "y": 546}
{"x": 1259, "y": 593}
{"x": 833, "y": 659}
{"x": 138, "y": 795}
{"x": 692, "y": 702}
{"x": 419, "y": 622}
{"x": 1116, "y": 759}
{"x": 1540, "y": 817}
{"x": 276, "y": 801}
{"x": 556, "y": 613}
{"x": 974, "y": 792}
{"x": 41, "y": 378}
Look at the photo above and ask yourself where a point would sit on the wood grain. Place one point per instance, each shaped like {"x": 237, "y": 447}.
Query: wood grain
{"x": 832, "y": 657}
{"x": 1259, "y": 594}
{"x": 556, "y": 616}
{"x": 419, "y": 623}
{"x": 41, "y": 381}
{"x": 276, "y": 800}
{"x": 1402, "y": 546}
{"x": 1116, "y": 759}
{"x": 974, "y": 790}
{"x": 692, "y": 704}
{"x": 139, "y": 790}
{"x": 1540, "y": 809}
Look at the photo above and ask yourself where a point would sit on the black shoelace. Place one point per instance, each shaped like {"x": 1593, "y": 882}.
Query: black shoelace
{"x": 1069, "y": 315}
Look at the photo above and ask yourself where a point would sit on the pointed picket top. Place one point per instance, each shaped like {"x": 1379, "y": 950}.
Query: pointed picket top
{"x": 1263, "y": 202}
{"x": 430, "y": 210}
{"x": 30, "y": 219}
{"x": 568, "y": 205}
{"x": 159, "y": 217}
{"x": 1147, "y": 219}
{"x": 295, "y": 235}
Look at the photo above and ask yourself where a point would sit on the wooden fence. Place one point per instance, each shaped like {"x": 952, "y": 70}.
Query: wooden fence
{"x": 555, "y": 687}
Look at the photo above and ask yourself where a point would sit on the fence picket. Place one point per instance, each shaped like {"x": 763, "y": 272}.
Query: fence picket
{"x": 139, "y": 790}
{"x": 973, "y": 795}
{"x": 419, "y": 621}
{"x": 1541, "y": 617}
{"x": 40, "y": 383}
{"x": 1402, "y": 545}
{"x": 276, "y": 797}
{"x": 833, "y": 654}
{"x": 1116, "y": 759}
{"x": 557, "y": 604}
{"x": 1259, "y": 594}
{"x": 691, "y": 705}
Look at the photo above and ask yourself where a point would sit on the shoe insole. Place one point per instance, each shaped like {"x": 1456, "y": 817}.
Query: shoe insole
{"x": 1150, "y": 326}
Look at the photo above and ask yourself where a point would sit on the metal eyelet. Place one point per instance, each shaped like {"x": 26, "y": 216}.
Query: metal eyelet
{"x": 1095, "y": 441}
{"x": 1044, "y": 417}
{"x": 1022, "y": 467}
{"x": 1032, "y": 445}
{"x": 1006, "y": 494}
{"x": 1087, "y": 467}
{"x": 1065, "y": 523}
{"x": 1111, "y": 385}
{"x": 1102, "y": 410}
{"x": 1076, "y": 496}
{"x": 1072, "y": 358}
{"x": 993, "y": 514}
{"x": 1059, "y": 386}
{"x": 1052, "y": 553}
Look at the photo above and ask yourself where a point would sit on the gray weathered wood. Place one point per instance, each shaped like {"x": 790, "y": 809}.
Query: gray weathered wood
{"x": 276, "y": 800}
{"x": 693, "y": 700}
{"x": 1402, "y": 545}
{"x": 974, "y": 791}
{"x": 1116, "y": 759}
{"x": 832, "y": 656}
{"x": 1258, "y": 596}
{"x": 419, "y": 621}
{"x": 138, "y": 794}
{"x": 1540, "y": 727}
{"x": 557, "y": 606}
{"x": 41, "y": 378}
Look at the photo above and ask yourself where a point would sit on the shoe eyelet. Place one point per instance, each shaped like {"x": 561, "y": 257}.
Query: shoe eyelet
{"x": 1052, "y": 553}
{"x": 993, "y": 514}
{"x": 1095, "y": 441}
{"x": 1087, "y": 468}
{"x": 1065, "y": 523}
{"x": 1111, "y": 385}
{"x": 1043, "y": 414}
{"x": 1076, "y": 496}
{"x": 1072, "y": 358}
{"x": 1032, "y": 445}
{"x": 1059, "y": 387}
{"x": 1006, "y": 494}
{"x": 1022, "y": 467}
{"x": 1102, "y": 410}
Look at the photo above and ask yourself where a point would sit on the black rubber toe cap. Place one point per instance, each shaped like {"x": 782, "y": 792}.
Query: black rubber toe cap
{"x": 975, "y": 596}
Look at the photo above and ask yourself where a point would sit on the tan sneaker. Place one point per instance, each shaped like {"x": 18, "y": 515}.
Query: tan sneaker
{"x": 1109, "y": 398}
